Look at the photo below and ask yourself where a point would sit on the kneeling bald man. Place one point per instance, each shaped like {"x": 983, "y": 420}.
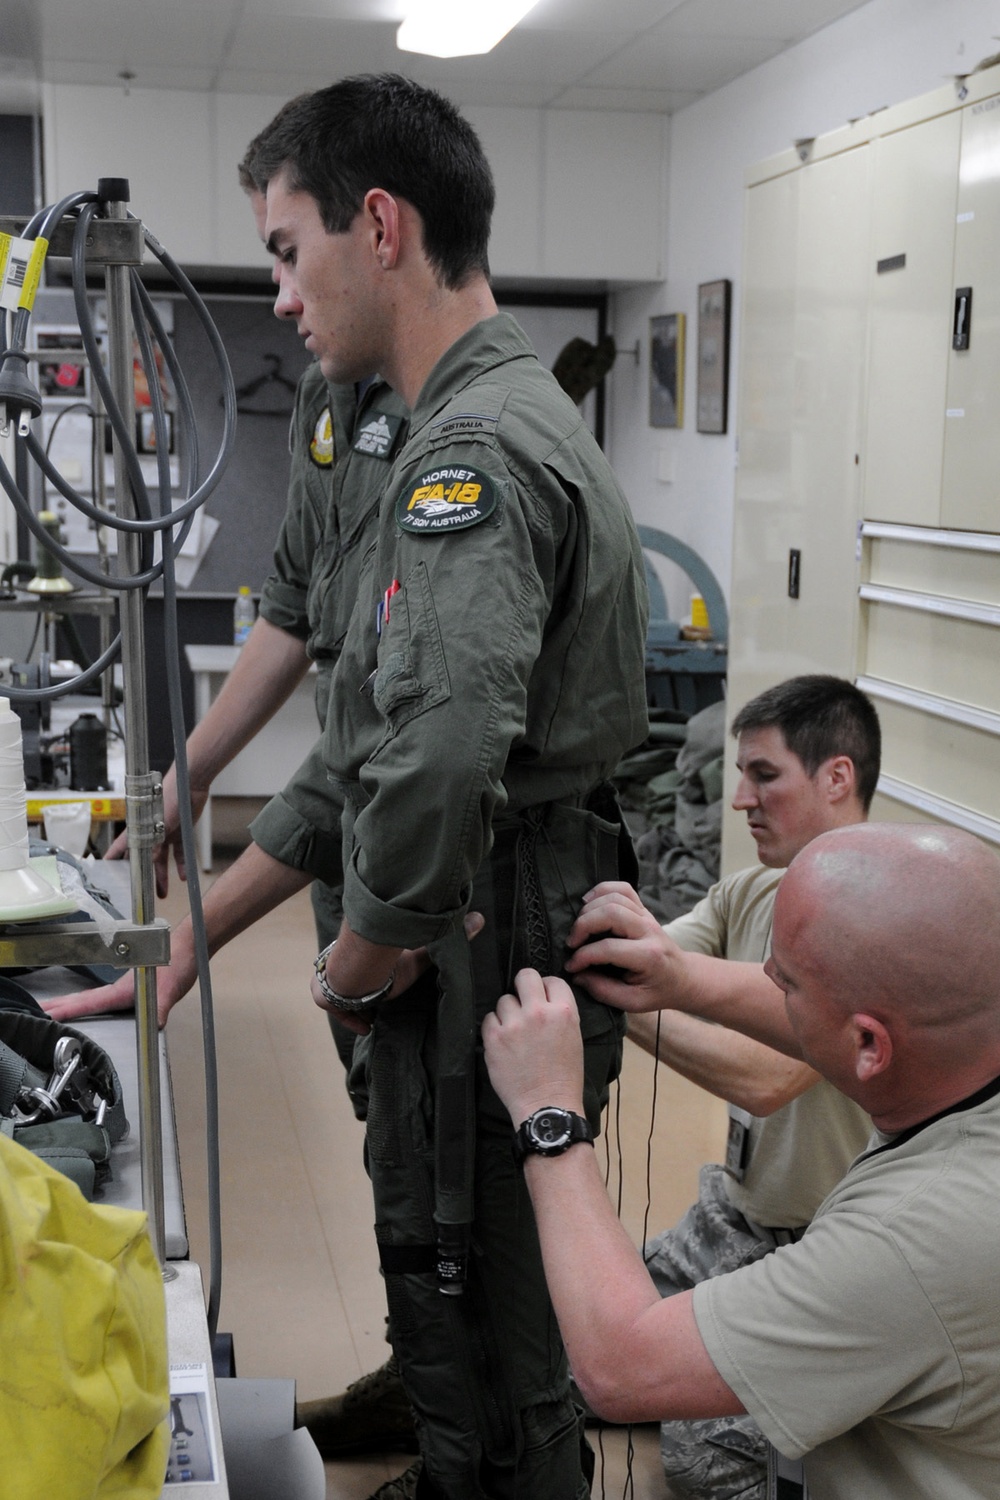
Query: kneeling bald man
{"x": 870, "y": 1349}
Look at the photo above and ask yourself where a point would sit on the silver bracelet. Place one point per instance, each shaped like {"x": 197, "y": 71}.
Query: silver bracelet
{"x": 347, "y": 1002}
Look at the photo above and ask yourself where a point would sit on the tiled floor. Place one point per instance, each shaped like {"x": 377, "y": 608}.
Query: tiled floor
{"x": 301, "y": 1292}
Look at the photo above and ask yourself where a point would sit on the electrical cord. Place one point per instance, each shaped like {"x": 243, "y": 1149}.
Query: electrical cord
{"x": 170, "y": 515}
{"x": 170, "y": 521}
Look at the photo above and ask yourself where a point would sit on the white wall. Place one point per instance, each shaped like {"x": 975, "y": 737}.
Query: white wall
{"x": 565, "y": 194}
{"x": 883, "y": 53}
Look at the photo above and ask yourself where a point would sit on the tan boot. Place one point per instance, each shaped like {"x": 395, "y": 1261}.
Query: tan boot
{"x": 403, "y": 1487}
{"x": 373, "y": 1414}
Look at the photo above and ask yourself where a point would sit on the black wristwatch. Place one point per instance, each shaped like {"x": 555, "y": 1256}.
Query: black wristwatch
{"x": 550, "y": 1132}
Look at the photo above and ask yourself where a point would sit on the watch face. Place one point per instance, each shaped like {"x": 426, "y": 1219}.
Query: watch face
{"x": 550, "y": 1127}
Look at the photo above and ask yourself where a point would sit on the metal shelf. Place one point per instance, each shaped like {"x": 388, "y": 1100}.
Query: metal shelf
{"x": 127, "y": 945}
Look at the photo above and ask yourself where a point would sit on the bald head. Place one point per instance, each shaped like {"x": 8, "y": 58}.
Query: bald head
{"x": 901, "y": 923}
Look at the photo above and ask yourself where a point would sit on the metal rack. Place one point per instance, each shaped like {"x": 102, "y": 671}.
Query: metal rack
{"x": 116, "y": 243}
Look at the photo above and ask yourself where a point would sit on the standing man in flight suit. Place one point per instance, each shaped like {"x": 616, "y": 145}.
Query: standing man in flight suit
{"x": 342, "y": 440}
{"x": 491, "y": 679}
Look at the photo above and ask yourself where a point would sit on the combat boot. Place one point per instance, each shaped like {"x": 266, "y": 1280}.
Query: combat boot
{"x": 404, "y": 1487}
{"x": 372, "y": 1415}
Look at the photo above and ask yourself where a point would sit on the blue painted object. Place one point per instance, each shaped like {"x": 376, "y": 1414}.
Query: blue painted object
{"x": 683, "y": 675}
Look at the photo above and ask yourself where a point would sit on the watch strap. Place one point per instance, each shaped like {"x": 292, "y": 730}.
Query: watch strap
{"x": 527, "y": 1141}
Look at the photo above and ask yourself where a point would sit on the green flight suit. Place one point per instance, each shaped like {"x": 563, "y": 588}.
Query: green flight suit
{"x": 491, "y": 679}
{"x": 342, "y": 450}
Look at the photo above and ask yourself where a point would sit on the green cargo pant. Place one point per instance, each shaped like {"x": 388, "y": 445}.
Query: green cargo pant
{"x": 486, "y": 1371}
{"x": 328, "y": 914}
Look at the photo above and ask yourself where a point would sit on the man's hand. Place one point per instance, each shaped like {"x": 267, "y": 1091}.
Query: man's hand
{"x": 172, "y": 984}
{"x": 172, "y": 837}
{"x": 614, "y": 928}
{"x": 534, "y": 1052}
{"x": 96, "y": 1002}
{"x": 410, "y": 964}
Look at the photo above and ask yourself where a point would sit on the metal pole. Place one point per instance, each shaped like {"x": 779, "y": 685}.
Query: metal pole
{"x": 98, "y": 430}
{"x": 141, "y": 787}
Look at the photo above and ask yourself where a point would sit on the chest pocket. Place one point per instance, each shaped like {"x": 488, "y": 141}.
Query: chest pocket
{"x": 412, "y": 674}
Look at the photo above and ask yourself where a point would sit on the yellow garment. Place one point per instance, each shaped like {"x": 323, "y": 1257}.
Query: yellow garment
{"x": 83, "y": 1344}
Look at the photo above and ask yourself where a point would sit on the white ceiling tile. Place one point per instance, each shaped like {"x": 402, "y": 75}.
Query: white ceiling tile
{"x": 106, "y": 72}
{"x": 683, "y": 62}
{"x": 782, "y": 20}
{"x": 329, "y": 10}
{"x": 592, "y": 54}
{"x": 657, "y": 101}
{"x": 333, "y": 49}
{"x": 541, "y": 57}
{"x": 624, "y": 17}
{"x": 182, "y": 33}
{"x": 20, "y": 30}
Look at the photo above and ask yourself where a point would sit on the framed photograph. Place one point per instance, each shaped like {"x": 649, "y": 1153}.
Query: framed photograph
{"x": 714, "y": 299}
{"x": 666, "y": 371}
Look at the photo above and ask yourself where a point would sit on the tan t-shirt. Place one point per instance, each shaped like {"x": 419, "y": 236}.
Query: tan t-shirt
{"x": 801, "y": 1151}
{"x": 872, "y": 1347}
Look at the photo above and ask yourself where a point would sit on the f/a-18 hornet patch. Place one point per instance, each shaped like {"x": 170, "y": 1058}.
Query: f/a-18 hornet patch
{"x": 445, "y": 499}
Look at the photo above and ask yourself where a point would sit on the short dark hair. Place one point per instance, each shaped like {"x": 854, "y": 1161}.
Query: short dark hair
{"x": 821, "y": 717}
{"x": 385, "y": 131}
{"x": 258, "y": 167}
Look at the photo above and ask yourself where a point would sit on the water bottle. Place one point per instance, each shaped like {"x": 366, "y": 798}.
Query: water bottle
{"x": 244, "y": 613}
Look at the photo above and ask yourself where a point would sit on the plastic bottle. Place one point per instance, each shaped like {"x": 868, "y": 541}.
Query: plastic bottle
{"x": 244, "y": 614}
{"x": 88, "y": 754}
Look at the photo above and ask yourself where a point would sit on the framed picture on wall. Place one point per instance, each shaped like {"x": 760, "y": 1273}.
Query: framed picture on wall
{"x": 666, "y": 370}
{"x": 713, "y": 355}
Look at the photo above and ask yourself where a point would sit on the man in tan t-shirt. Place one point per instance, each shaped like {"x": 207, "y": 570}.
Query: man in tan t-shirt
{"x": 869, "y": 1350}
{"x": 808, "y": 756}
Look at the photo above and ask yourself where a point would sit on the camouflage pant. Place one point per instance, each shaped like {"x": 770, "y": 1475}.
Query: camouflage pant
{"x": 724, "y": 1458}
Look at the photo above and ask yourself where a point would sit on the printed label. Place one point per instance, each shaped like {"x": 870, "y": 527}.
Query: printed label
{"x": 22, "y": 272}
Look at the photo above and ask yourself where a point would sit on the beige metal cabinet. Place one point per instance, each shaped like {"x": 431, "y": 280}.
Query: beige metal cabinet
{"x": 913, "y": 236}
{"x": 801, "y": 378}
{"x": 970, "y": 492}
{"x": 855, "y": 250}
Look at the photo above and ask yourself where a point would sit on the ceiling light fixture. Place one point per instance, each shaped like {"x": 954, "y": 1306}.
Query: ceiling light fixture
{"x": 456, "y": 28}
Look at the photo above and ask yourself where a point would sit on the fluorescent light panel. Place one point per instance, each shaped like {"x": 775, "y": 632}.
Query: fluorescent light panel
{"x": 459, "y": 28}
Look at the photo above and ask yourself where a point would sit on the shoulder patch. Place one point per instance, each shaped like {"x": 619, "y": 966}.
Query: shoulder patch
{"x": 377, "y": 436}
{"x": 464, "y": 424}
{"x": 321, "y": 443}
{"x": 447, "y": 499}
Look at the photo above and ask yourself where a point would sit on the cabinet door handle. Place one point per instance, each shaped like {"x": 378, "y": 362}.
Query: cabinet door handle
{"x": 961, "y": 328}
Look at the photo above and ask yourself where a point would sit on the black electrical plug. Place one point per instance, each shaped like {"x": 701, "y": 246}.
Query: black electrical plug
{"x": 19, "y": 400}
